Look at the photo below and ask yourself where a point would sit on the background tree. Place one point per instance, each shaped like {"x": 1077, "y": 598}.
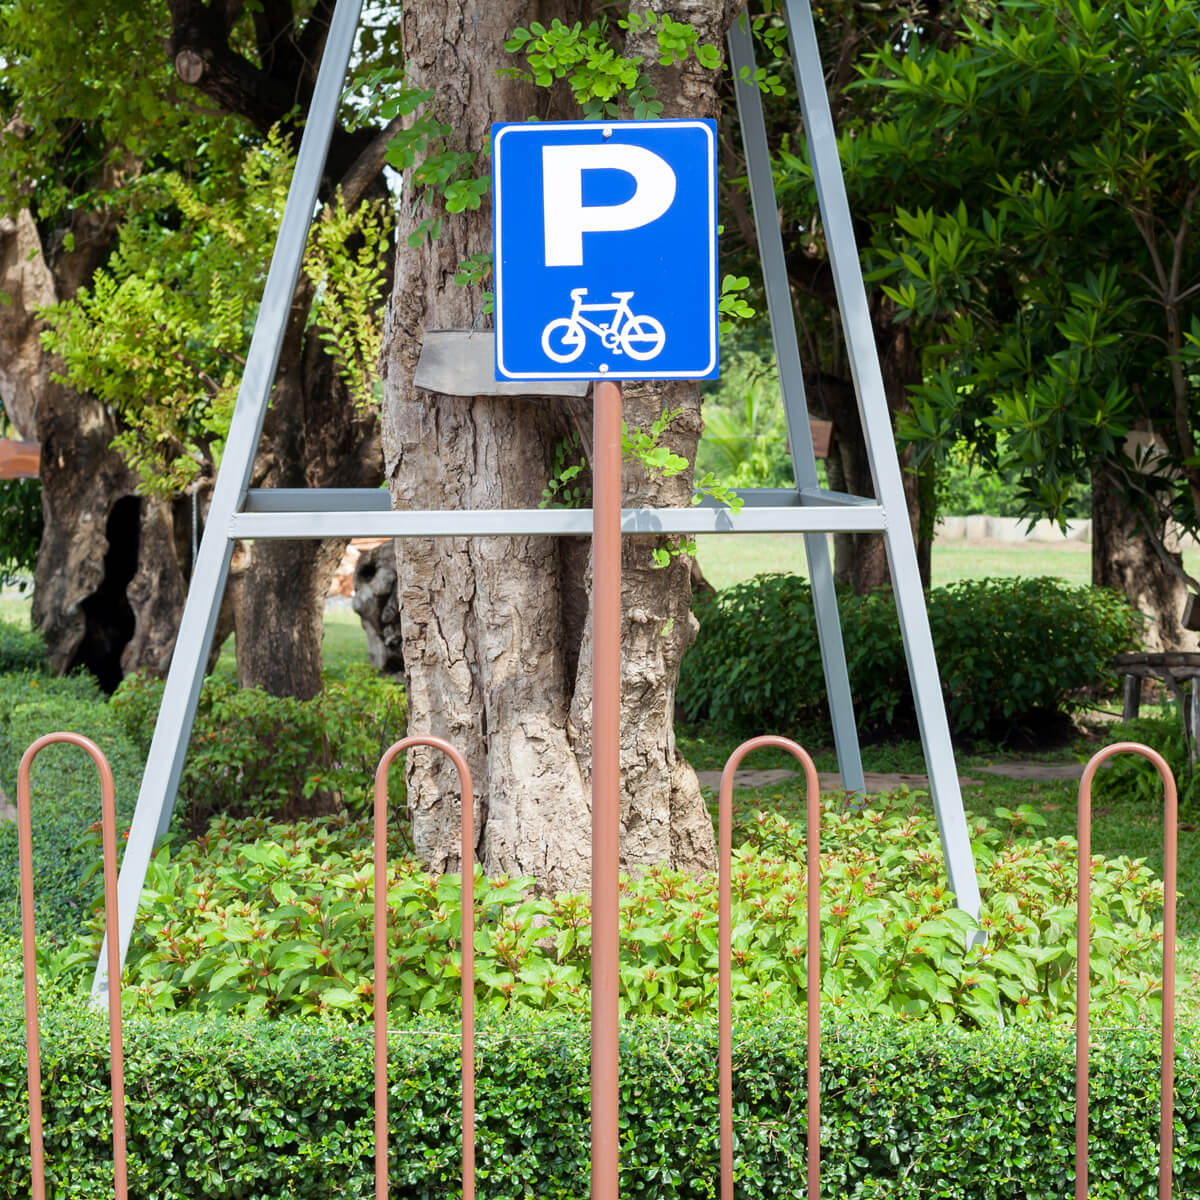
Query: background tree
{"x": 161, "y": 331}
{"x": 90, "y": 116}
{"x": 848, "y": 33}
{"x": 745, "y": 433}
{"x": 1051, "y": 166}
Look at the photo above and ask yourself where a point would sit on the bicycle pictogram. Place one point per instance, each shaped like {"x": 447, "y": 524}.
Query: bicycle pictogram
{"x": 639, "y": 336}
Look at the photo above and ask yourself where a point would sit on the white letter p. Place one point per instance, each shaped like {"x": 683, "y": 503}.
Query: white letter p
{"x": 565, "y": 217}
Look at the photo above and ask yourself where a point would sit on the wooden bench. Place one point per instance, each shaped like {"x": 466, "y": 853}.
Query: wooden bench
{"x": 1172, "y": 668}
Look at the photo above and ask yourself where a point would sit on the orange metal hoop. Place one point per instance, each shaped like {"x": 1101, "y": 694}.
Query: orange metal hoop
{"x": 1083, "y": 946}
{"x": 108, "y": 821}
{"x": 467, "y": 857}
{"x": 812, "y": 894}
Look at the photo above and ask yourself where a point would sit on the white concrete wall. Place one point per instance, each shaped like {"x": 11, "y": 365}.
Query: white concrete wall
{"x": 1011, "y": 529}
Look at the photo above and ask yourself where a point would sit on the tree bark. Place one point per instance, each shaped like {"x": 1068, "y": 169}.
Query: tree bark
{"x": 377, "y": 603}
{"x": 313, "y": 437}
{"x": 1124, "y": 558}
{"x": 27, "y": 283}
{"x": 113, "y": 567}
{"x": 497, "y": 644}
{"x": 860, "y": 559}
{"x": 95, "y": 528}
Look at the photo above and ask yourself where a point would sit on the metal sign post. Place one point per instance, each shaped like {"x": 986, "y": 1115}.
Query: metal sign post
{"x": 606, "y": 784}
{"x": 605, "y": 269}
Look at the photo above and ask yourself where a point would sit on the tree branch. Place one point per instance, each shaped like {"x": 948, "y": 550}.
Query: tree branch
{"x": 364, "y": 170}
{"x": 1188, "y": 293}
{"x": 1179, "y": 243}
{"x": 1159, "y": 546}
{"x": 311, "y": 42}
{"x": 1143, "y": 222}
{"x": 265, "y": 96}
{"x": 274, "y": 35}
{"x": 199, "y": 46}
{"x": 811, "y": 275}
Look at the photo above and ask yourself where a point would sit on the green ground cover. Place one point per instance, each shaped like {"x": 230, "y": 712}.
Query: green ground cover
{"x": 1124, "y": 823}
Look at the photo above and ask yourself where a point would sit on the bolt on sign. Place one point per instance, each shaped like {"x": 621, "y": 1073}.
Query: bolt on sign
{"x": 605, "y": 249}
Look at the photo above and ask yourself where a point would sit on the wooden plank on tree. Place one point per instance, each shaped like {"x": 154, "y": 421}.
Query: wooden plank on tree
{"x": 20, "y": 460}
{"x": 822, "y": 436}
{"x": 459, "y": 362}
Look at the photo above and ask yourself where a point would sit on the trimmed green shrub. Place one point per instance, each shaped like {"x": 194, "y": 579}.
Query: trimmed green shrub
{"x": 18, "y": 688}
{"x": 1005, "y": 648}
{"x": 21, "y": 648}
{"x": 253, "y": 754}
{"x": 284, "y": 1110}
{"x": 278, "y": 920}
{"x": 65, "y": 791}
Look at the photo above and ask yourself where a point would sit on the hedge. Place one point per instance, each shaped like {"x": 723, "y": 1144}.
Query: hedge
{"x": 21, "y": 648}
{"x": 272, "y": 1111}
{"x": 256, "y": 755}
{"x": 66, "y": 795}
{"x": 1008, "y": 650}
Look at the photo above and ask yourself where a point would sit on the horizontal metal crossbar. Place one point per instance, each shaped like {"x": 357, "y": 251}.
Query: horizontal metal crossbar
{"x": 363, "y": 512}
{"x": 513, "y": 522}
{"x": 275, "y": 500}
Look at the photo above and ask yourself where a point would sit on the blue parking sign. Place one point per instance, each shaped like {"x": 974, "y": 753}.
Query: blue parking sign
{"x": 605, "y": 249}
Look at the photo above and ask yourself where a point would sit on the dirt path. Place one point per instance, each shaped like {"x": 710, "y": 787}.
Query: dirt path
{"x": 880, "y": 781}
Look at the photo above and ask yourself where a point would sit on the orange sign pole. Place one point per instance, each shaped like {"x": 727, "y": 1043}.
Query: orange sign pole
{"x": 606, "y": 782}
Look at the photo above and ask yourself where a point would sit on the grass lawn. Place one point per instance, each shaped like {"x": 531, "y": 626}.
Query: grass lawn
{"x": 345, "y": 643}
{"x": 14, "y": 607}
{"x": 726, "y": 559}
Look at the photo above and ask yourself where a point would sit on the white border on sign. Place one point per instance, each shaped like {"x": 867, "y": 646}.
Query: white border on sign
{"x": 498, "y": 257}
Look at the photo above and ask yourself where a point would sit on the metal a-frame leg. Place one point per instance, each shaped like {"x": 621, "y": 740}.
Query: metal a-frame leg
{"x": 885, "y": 466}
{"x": 164, "y": 764}
{"x": 791, "y": 379}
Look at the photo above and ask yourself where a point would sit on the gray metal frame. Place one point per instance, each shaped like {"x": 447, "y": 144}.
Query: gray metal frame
{"x": 156, "y": 797}
{"x": 881, "y": 452}
{"x": 795, "y": 404}
{"x": 237, "y": 512}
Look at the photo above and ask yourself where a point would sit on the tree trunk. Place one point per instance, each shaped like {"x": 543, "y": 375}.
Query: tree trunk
{"x": 860, "y": 559}
{"x": 26, "y": 284}
{"x": 497, "y": 644}
{"x": 113, "y": 567}
{"x": 1124, "y": 558}
{"x": 313, "y": 437}
{"x": 378, "y": 606}
{"x": 92, "y": 534}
